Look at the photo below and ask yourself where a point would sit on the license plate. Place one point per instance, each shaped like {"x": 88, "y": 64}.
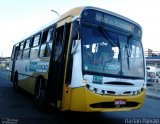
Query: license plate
{"x": 120, "y": 102}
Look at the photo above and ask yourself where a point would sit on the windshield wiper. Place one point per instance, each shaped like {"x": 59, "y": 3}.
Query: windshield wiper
{"x": 106, "y": 35}
{"x": 119, "y": 57}
{"x": 128, "y": 55}
{"x": 128, "y": 50}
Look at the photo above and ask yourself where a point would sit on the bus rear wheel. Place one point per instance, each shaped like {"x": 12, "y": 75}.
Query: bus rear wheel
{"x": 40, "y": 94}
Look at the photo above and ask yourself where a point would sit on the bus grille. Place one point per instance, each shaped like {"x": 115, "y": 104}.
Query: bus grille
{"x": 109, "y": 92}
{"x": 112, "y": 105}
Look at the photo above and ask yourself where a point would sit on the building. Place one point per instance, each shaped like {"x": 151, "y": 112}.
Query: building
{"x": 153, "y": 65}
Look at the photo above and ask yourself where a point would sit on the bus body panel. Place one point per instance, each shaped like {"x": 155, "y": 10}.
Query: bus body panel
{"x": 78, "y": 99}
{"x": 28, "y": 72}
{"x": 81, "y": 100}
{"x": 66, "y": 100}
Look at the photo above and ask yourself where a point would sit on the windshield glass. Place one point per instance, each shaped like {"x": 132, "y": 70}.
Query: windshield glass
{"x": 111, "y": 53}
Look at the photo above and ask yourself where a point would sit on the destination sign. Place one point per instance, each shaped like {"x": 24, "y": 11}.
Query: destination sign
{"x": 114, "y": 21}
{"x": 107, "y": 19}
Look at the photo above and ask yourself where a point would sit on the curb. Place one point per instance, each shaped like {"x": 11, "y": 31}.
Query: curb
{"x": 151, "y": 95}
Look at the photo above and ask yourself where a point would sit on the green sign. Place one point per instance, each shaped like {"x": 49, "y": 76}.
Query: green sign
{"x": 97, "y": 80}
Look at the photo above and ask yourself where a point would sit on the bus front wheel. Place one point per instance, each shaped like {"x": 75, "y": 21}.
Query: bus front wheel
{"x": 40, "y": 94}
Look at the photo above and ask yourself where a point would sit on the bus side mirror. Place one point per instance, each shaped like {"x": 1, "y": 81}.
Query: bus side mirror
{"x": 74, "y": 46}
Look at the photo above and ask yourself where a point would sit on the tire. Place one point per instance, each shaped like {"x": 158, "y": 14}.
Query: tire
{"x": 40, "y": 94}
{"x": 15, "y": 82}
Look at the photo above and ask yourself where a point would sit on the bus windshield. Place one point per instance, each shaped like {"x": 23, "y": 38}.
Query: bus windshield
{"x": 108, "y": 52}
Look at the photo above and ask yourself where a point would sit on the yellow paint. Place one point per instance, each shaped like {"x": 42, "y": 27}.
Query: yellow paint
{"x": 27, "y": 84}
{"x": 78, "y": 99}
{"x": 81, "y": 99}
{"x": 96, "y": 98}
{"x": 59, "y": 104}
{"x": 61, "y": 23}
{"x": 66, "y": 98}
{"x": 31, "y": 85}
{"x": 73, "y": 12}
{"x": 68, "y": 16}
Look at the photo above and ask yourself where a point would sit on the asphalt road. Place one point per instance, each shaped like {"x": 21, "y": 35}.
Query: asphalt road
{"x": 20, "y": 109}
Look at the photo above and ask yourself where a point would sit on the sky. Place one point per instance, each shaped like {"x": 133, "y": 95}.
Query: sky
{"x": 19, "y": 18}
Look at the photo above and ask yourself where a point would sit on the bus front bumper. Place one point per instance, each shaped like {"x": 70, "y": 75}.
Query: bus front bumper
{"x": 84, "y": 100}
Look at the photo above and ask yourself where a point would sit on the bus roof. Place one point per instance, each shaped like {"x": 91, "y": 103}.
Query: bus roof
{"x": 76, "y": 13}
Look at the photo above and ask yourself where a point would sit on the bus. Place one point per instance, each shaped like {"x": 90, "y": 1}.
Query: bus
{"x": 88, "y": 60}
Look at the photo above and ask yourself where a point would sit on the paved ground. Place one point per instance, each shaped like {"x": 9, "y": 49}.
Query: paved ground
{"x": 154, "y": 90}
{"x": 20, "y": 107}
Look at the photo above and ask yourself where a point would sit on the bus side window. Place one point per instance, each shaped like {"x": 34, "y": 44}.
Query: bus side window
{"x": 50, "y": 39}
{"x": 20, "y": 50}
{"x": 46, "y": 43}
{"x": 58, "y": 45}
{"x": 35, "y": 47}
{"x": 26, "y": 49}
{"x": 13, "y": 52}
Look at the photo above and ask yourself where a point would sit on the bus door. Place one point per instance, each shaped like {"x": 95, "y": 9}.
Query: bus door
{"x": 57, "y": 65}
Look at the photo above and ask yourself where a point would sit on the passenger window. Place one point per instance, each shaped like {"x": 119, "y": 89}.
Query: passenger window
{"x": 35, "y": 47}
{"x": 21, "y": 46}
{"x": 26, "y": 49}
{"x": 50, "y": 39}
{"x": 50, "y": 46}
{"x": 46, "y": 43}
{"x": 50, "y": 35}
{"x": 44, "y": 37}
{"x": 34, "y": 52}
{"x": 15, "y": 52}
{"x": 19, "y": 54}
{"x": 27, "y": 45}
{"x": 36, "y": 40}
{"x": 44, "y": 51}
{"x": 25, "y": 53}
{"x": 58, "y": 44}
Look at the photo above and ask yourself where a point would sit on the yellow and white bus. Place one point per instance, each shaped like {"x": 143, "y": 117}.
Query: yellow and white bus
{"x": 89, "y": 59}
